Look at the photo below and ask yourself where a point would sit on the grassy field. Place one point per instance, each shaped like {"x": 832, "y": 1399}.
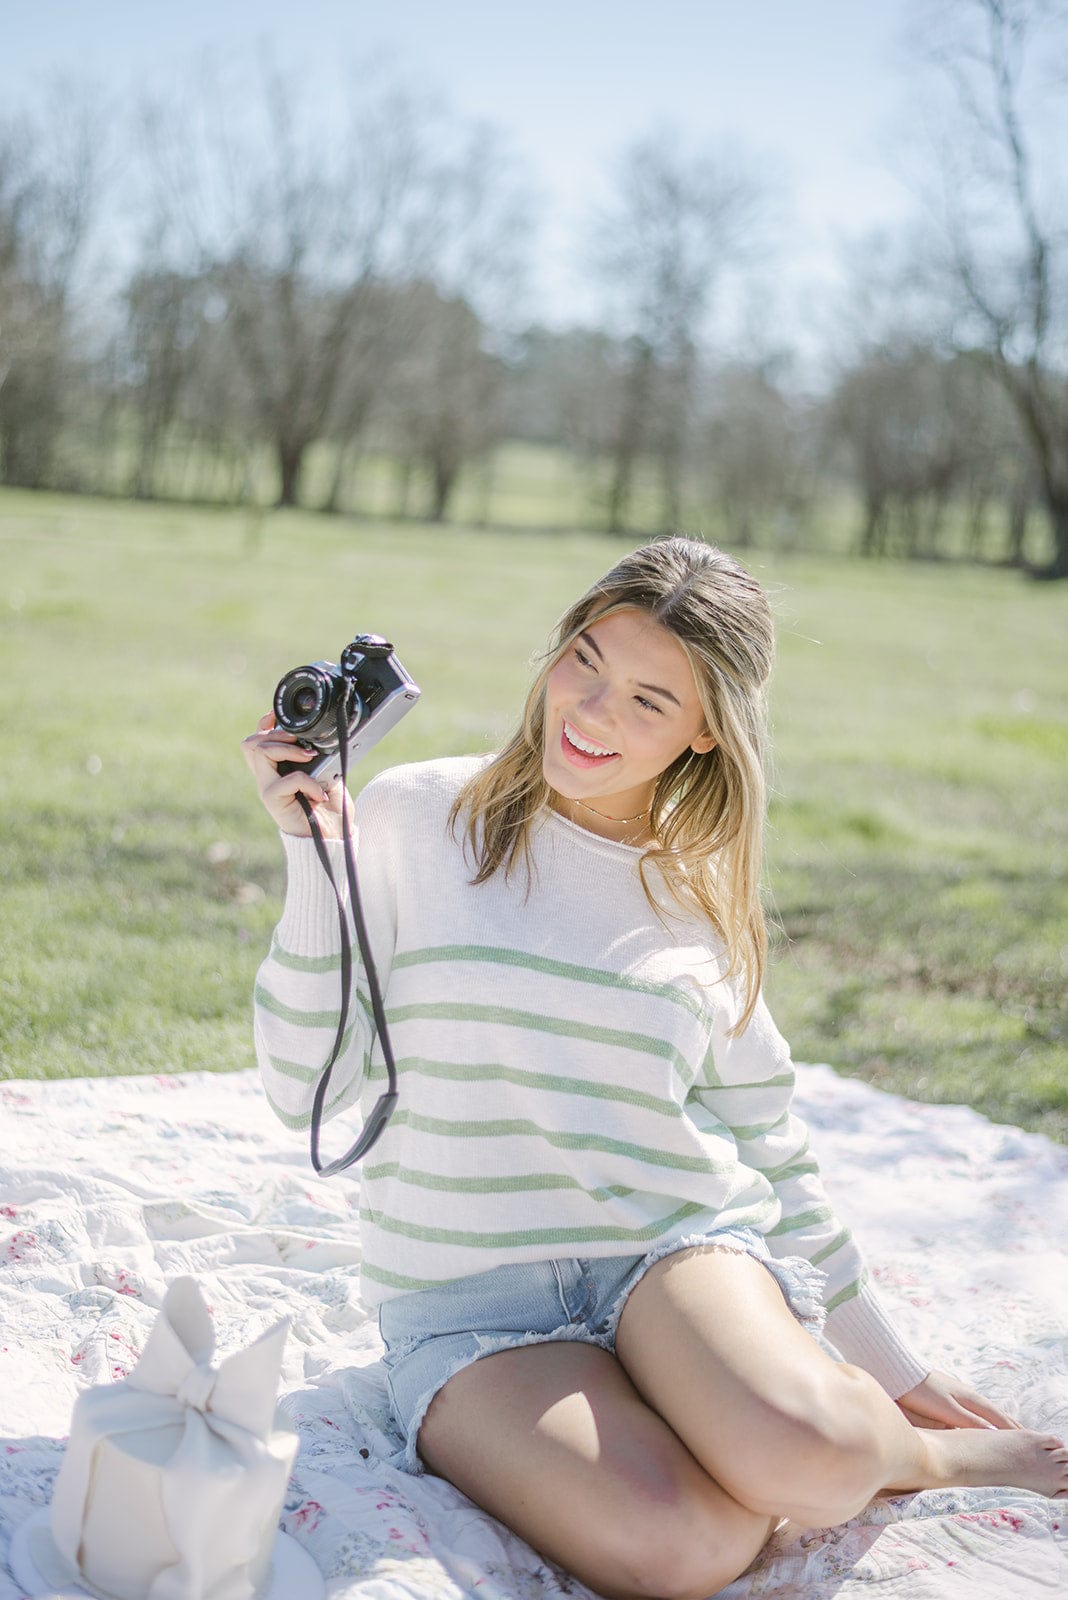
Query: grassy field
{"x": 917, "y": 852}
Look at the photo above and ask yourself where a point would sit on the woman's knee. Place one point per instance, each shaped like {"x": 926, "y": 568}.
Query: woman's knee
{"x": 678, "y": 1545}
{"x": 830, "y": 1460}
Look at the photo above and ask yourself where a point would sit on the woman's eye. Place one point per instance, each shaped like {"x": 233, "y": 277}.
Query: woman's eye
{"x": 647, "y": 705}
{"x": 585, "y": 660}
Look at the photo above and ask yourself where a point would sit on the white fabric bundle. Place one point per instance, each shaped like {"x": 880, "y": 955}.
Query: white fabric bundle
{"x": 173, "y": 1480}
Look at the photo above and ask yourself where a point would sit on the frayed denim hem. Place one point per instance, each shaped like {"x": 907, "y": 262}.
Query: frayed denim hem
{"x": 801, "y": 1283}
{"x": 569, "y": 1333}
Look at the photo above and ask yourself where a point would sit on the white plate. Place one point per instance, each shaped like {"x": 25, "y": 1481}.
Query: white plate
{"x": 293, "y": 1570}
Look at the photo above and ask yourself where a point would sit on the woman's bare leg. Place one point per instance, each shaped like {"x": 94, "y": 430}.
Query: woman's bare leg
{"x": 710, "y": 1344}
{"x": 553, "y": 1440}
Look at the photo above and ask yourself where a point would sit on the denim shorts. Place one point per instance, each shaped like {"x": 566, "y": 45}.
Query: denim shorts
{"x": 431, "y": 1334}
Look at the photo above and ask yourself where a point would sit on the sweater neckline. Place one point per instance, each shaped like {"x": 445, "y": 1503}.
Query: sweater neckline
{"x": 595, "y": 841}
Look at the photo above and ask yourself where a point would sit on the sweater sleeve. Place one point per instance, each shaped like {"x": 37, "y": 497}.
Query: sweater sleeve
{"x": 298, "y": 987}
{"x": 748, "y": 1086}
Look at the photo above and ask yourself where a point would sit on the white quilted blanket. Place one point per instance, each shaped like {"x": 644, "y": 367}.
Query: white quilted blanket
{"x": 110, "y": 1188}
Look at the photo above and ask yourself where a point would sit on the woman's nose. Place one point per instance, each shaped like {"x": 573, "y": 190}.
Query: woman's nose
{"x": 597, "y": 702}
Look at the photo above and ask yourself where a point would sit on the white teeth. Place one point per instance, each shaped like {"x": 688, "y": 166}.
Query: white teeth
{"x": 584, "y": 744}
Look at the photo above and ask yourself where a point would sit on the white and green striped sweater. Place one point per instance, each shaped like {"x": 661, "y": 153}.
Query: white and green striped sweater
{"x": 567, "y": 1083}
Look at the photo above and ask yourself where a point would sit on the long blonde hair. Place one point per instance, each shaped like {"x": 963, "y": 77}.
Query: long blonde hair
{"x": 707, "y": 814}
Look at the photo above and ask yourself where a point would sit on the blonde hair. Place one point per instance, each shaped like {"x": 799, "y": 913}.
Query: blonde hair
{"x": 707, "y": 814}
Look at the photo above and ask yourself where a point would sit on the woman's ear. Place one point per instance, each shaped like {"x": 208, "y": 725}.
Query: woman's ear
{"x": 703, "y": 744}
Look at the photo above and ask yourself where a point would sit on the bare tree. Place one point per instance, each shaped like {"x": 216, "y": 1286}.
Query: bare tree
{"x": 757, "y": 463}
{"x": 922, "y": 432}
{"x": 1004, "y": 256}
{"x": 894, "y": 414}
{"x": 450, "y": 389}
{"x": 50, "y": 179}
{"x": 297, "y": 230}
{"x": 677, "y": 222}
{"x": 163, "y": 336}
{"x": 309, "y": 240}
{"x": 444, "y": 400}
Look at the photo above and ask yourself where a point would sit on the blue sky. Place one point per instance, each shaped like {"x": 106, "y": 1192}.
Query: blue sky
{"x": 814, "y": 88}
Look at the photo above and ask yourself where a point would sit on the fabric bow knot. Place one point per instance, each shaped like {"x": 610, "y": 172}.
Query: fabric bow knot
{"x": 177, "y": 1361}
{"x": 198, "y": 1386}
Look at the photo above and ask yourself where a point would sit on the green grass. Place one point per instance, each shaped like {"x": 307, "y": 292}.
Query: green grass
{"x": 918, "y": 827}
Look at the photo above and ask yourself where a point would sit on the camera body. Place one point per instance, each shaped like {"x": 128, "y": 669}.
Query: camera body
{"x": 369, "y": 688}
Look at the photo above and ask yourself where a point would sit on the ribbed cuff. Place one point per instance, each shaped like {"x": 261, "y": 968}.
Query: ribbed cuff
{"x": 862, "y": 1331}
{"x": 309, "y": 922}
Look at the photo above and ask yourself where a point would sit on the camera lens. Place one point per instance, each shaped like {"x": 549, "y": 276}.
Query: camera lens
{"x": 306, "y": 702}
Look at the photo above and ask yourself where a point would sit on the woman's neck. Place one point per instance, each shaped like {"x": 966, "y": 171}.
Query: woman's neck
{"x": 630, "y": 829}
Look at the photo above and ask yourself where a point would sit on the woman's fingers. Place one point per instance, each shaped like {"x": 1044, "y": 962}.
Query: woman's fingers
{"x": 919, "y": 1421}
{"x": 990, "y": 1413}
{"x": 290, "y": 784}
{"x": 264, "y": 750}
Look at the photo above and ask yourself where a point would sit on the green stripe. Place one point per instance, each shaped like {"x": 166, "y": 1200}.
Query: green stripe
{"x": 499, "y": 955}
{"x": 758, "y": 1129}
{"x": 850, "y": 1292}
{"x": 836, "y": 1244}
{"x": 522, "y": 1126}
{"x": 522, "y": 1183}
{"x": 401, "y": 1280}
{"x": 711, "y": 1079}
{"x": 803, "y": 1220}
{"x": 302, "y": 1074}
{"x": 299, "y": 1071}
{"x": 777, "y": 1175}
{"x": 302, "y": 1120}
{"x": 785, "y": 1080}
{"x": 294, "y": 1070}
{"x": 303, "y": 1019}
{"x": 515, "y": 1238}
{"x": 286, "y": 958}
{"x": 798, "y": 1164}
{"x": 536, "y": 1022}
{"x": 497, "y": 1072}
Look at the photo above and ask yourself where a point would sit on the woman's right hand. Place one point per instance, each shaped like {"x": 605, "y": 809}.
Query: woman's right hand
{"x": 263, "y": 750}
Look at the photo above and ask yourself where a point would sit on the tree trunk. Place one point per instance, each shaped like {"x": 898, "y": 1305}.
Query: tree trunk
{"x": 977, "y": 526}
{"x": 1057, "y": 509}
{"x": 290, "y": 461}
{"x": 445, "y": 472}
{"x": 629, "y": 438}
{"x": 1016, "y": 530}
{"x": 871, "y": 538}
{"x": 404, "y": 470}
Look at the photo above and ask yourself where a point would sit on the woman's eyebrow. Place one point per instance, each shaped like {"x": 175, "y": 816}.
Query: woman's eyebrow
{"x": 653, "y": 688}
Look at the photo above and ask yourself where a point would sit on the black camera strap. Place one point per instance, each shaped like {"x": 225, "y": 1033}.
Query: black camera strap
{"x": 385, "y": 1104}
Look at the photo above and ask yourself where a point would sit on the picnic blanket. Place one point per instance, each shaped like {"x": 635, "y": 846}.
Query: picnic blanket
{"x": 110, "y": 1188}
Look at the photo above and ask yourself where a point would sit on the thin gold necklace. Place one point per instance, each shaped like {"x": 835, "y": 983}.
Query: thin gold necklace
{"x": 604, "y": 814}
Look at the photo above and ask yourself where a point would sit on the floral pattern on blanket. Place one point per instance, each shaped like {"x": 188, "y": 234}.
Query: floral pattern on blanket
{"x": 111, "y": 1188}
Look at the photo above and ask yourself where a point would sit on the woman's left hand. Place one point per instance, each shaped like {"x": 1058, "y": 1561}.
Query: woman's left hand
{"x": 942, "y": 1401}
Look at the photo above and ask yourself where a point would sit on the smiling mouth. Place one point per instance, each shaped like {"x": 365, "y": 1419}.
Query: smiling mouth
{"x": 586, "y": 751}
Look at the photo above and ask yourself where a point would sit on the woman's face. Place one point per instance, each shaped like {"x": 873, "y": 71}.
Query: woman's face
{"x": 620, "y": 706}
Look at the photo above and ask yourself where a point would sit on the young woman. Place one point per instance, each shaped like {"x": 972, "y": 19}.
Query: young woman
{"x": 618, "y": 1310}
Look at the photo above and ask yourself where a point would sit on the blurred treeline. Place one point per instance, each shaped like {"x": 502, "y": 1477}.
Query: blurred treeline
{"x": 231, "y": 295}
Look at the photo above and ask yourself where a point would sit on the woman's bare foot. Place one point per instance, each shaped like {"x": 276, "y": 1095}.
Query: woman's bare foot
{"x": 973, "y": 1457}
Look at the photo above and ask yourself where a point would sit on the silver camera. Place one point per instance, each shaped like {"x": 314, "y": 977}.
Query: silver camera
{"x": 360, "y": 698}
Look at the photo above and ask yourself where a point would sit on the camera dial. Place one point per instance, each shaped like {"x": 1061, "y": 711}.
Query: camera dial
{"x": 365, "y": 646}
